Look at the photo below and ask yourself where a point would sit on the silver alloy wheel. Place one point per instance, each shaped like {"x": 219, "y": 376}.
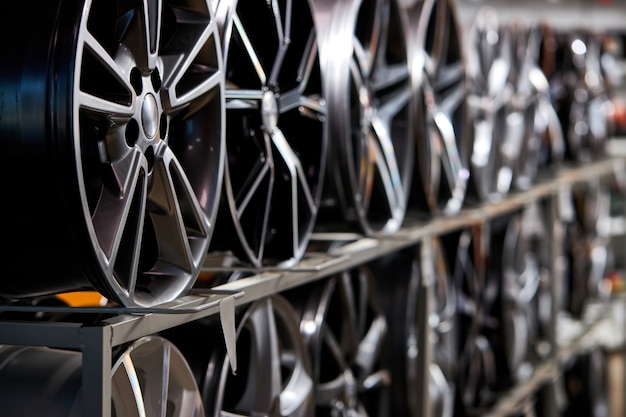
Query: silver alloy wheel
{"x": 401, "y": 288}
{"x": 439, "y": 92}
{"x": 477, "y": 374}
{"x": 488, "y": 67}
{"x": 520, "y": 274}
{"x": 149, "y": 378}
{"x": 372, "y": 151}
{"x": 116, "y": 128}
{"x": 589, "y": 246}
{"x": 273, "y": 375}
{"x": 275, "y": 129}
{"x": 346, "y": 333}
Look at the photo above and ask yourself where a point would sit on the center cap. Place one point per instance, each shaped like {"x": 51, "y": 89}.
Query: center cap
{"x": 149, "y": 116}
{"x": 269, "y": 111}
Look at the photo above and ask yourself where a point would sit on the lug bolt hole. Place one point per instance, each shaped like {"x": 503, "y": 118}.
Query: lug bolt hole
{"x": 132, "y": 133}
{"x": 155, "y": 78}
{"x": 135, "y": 81}
{"x": 163, "y": 125}
{"x": 149, "y": 154}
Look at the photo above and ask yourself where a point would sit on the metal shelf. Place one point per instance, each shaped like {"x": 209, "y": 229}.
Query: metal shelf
{"x": 96, "y": 341}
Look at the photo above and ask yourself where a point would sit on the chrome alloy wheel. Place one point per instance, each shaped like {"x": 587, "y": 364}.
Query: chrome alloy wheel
{"x": 346, "y": 332}
{"x": 149, "y": 378}
{"x": 439, "y": 92}
{"x": 273, "y": 375}
{"x": 372, "y": 151}
{"x": 112, "y": 115}
{"x": 275, "y": 129}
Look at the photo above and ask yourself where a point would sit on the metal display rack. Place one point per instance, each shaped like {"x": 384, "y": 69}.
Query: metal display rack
{"x": 97, "y": 341}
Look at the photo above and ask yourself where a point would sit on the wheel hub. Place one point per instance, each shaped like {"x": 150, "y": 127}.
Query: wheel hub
{"x": 269, "y": 111}
{"x": 149, "y": 116}
{"x": 367, "y": 111}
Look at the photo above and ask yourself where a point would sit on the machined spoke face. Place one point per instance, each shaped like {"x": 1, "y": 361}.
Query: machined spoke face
{"x": 148, "y": 123}
{"x": 439, "y": 77}
{"x": 347, "y": 336}
{"x": 275, "y": 128}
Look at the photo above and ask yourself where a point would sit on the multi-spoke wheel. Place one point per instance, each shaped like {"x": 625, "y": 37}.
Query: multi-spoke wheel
{"x": 488, "y": 67}
{"x": 112, "y": 118}
{"x": 580, "y": 95}
{"x": 273, "y": 376}
{"x": 477, "y": 292}
{"x": 346, "y": 332}
{"x": 588, "y": 247}
{"x": 372, "y": 151}
{"x": 516, "y": 264}
{"x": 275, "y": 129}
{"x": 402, "y": 291}
{"x": 439, "y": 97}
{"x": 148, "y": 378}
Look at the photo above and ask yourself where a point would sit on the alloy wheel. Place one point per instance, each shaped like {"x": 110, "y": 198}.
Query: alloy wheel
{"x": 117, "y": 128}
{"x": 149, "y": 378}
{"x": 372, "y": 155}
{"x": 275, "y": 129}
{"x": 439, "y": 93}
{"x": 273, "y": 375}
{"x": 346, "y": 333}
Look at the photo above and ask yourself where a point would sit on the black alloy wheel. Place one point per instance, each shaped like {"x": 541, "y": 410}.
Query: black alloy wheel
{"x": 276, "y": 130}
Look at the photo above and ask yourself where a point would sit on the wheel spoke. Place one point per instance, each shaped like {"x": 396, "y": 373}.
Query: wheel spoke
{"x": 107, "y": 62}
{"x": 393, "y": 104}
{"x": 334, "y": 347}
{"x": 153, "y": 10}
{"x": 298, "y": 180}
{"x": 191, "y": 74}
{"x": 260, "y": 393}
{"x": 284, "y": 39}
{"x": 250, "y": 51}
{"x": 175, "y": 213}
{"x": 119, "y": 220}
{"x": 384, "y": 157}
{"x": 369, "y": 350}
{"x": 451, "y": 159}
{"x": 450, "y": 75}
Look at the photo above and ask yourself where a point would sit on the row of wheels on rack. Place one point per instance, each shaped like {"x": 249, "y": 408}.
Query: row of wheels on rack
{"x": 351, "y": 343}
{"x": 143, "y": 136}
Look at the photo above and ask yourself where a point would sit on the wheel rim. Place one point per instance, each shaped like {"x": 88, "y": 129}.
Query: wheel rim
{"x": 149, "y": 378}
{"x": 276, "y": 128}
{"x": 438, "y": 78}
{"x": 347, "y": 335}
{"x": 274, "y": 371}
{"x": 137, "y": 101}
{"x": 520, "y": 274}
{"x": 488, "y": 67}
{"x": 368, "y": 100}
{"x": 477, "y": 369}
{"x": 401, "y": 293}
